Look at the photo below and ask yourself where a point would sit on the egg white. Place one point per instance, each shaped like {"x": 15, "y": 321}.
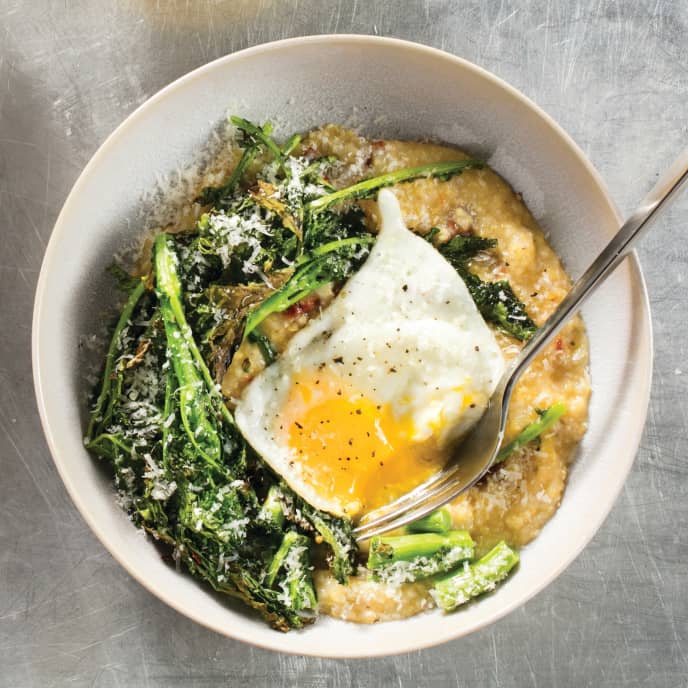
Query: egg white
{"x": 404, "y": 331}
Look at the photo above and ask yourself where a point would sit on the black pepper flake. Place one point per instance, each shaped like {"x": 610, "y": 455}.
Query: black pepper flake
{"x": 358, "y": 412}
{"x": 477, "y": 348}
{"x": 392, "y": 370}
{"x": 405, "y": 287}
{"x": 472, "y": 405}
{"x": 338, "y": 359}
{"x": 351, "y": 442}
{"x": 298, "y": 425}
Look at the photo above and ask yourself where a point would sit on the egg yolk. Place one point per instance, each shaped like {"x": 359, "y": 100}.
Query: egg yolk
{"x": 350, "y": 447}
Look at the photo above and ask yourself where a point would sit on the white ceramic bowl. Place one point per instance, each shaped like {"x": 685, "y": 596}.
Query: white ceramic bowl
{"x": 409, "y": 91}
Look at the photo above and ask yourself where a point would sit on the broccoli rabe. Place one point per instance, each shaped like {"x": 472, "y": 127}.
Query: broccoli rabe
{"x": 496, "y": 301}
{"x": 406, "y": 558}
{"x": 275, "y": 231}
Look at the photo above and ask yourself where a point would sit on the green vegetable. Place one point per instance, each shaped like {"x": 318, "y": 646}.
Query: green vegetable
{"x": 271, "y": 514}
{"x": 293, "y": 563}
{"x": 533, "y": 430}
{"x": 336, "y": 532}
{"x": 334, "y": 260}
{"x": 254, "y": 138}
{"x": 405, "y": 558}
{"x": 438, "y": 521}
{"x": 114, "y": 350}
{"x": 184, "y": 472}
{"x": 475, "y": 579}
{"x": 263, "y": 343}
{"x": 496, "y": 301}
{"x": 498, "y": 304}
{"x": 255, "y": 134}
{"x": 185, "y": 353}
{"x": 369, "y": 187}
{"x": 329, "y": 263}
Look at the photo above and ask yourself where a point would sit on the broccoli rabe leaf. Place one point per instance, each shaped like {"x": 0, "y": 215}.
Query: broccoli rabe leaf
{"x": 498, "y": 304}
{"x": 254, "y": 138}
{"x": 496, "y": 301}
{"x": 336, "y": 532}
{"x": 460, "y": 249}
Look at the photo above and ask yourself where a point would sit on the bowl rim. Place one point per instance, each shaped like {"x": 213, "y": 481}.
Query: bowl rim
{"x": 633, "y": 436}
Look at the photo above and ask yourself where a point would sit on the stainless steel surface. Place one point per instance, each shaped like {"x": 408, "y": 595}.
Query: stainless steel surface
{"x": 612, "y": 73}
{"x": 477, "y": 452}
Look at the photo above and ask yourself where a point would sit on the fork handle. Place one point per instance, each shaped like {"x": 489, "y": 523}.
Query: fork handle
{"x": 668, "y": 185}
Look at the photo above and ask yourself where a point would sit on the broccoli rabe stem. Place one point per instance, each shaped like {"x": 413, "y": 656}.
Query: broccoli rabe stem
{"x": 271, "y": 514}
{"x": 313, "y": 271}
{"x": 169, "y": 290}
{"x": 475, "y": 579}
{"x": 369, "y": 187}
{"x": 259, "y": 134}
{"x": 293, "y": 562}
{"x": 532, "y": 430}
{"x": 195, "y": 406}
{"x": 264, "y": 345}
{"x": 436, "y": 522}
{"x": 336, "y": 532}
{"x": 111, "y": 357}
{"x": 404, "y": 558}
{"x": 289, "y": 540}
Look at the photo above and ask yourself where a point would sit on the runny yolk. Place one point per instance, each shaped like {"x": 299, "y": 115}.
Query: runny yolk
{"x": 351, "y": 448}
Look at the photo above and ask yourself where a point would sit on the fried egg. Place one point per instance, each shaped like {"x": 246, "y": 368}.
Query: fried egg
{"x": 367, "y": 398}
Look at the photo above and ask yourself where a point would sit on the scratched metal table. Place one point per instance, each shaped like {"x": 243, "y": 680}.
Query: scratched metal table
{"x": 614, "y": 74}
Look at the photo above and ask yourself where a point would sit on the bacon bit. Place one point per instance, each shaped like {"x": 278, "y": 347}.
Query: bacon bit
{"x": 377, "y": 144}
{"x": 306, "y": 305}
{"x": 559, "y": 344}
{"x": 311, "y": 152}
{"x": 194, "y": 556}
{"x": 455, "y": 228}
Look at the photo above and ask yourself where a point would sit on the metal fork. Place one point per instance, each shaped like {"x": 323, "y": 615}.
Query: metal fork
{"x": 475, "y": 455}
